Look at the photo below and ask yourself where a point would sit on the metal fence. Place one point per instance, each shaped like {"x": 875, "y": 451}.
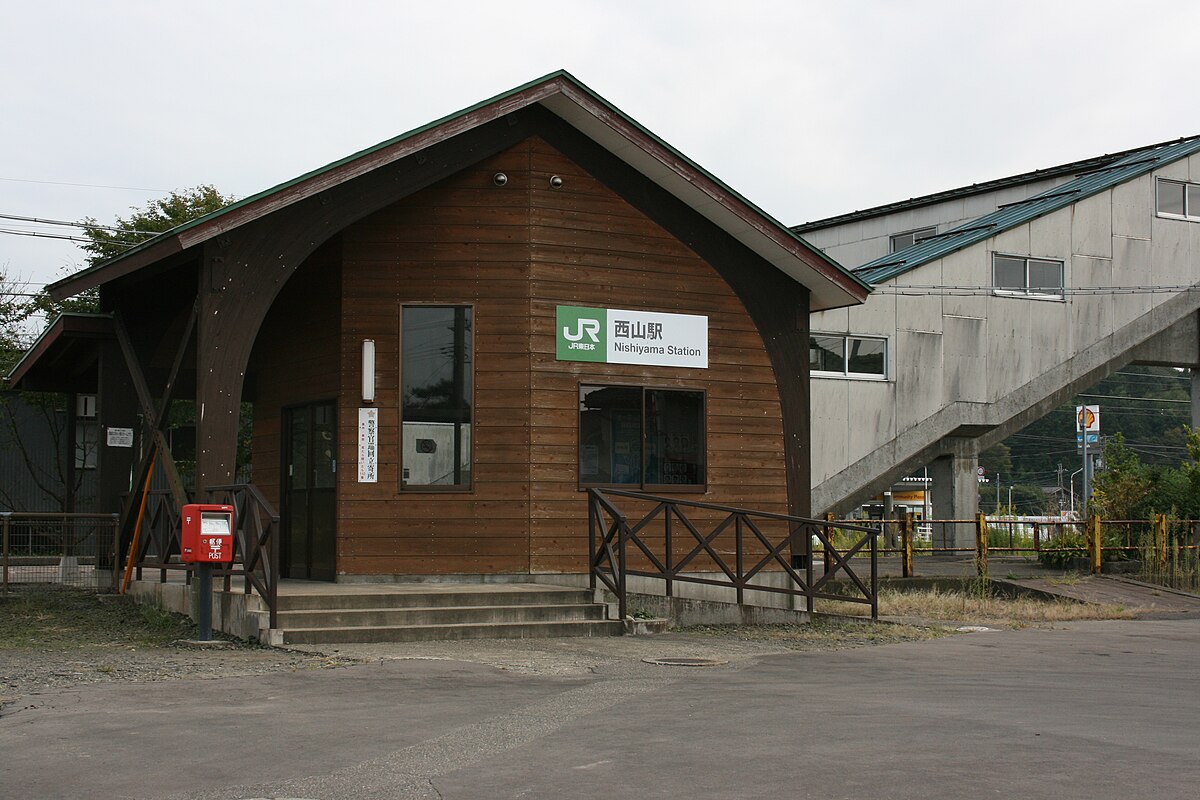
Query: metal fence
{"x": 64, "y": 549}
{"x": 1159, "y": 550}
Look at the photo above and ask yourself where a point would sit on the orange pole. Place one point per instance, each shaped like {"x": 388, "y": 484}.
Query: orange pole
{"x": 137, "y": 529}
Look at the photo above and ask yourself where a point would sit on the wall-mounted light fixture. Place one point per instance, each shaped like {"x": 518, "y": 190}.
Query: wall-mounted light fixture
{"x": 499, "y": 179}
{"x": 556, "y": 182}
{"x": 368, "y": 371}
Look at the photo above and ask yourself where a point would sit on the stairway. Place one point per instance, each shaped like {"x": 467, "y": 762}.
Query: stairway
{"x": 311, "y": 613}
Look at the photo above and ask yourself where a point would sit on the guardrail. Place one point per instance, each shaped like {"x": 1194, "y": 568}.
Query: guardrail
{"x": 65, "y": 549}
{"x": 1167, "y": 550}
{"x": 758, "y": 542}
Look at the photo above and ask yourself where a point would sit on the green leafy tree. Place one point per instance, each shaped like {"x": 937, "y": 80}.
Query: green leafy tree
{"x": 1122, "y": 489}
{"x": 157, "y": 216}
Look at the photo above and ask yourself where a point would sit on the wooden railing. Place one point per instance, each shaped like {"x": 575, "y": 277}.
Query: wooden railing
{"x": 255, "y": 540}
{"x": 682, "y": 553}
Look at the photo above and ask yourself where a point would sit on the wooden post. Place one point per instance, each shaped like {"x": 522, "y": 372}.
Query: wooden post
{"x": 906, "y": 545}
{"x": 1160, "y": 542}
{"x": 981, "y": 545}
{"x": 1093, "y": 542}
{"x": 827, "y": 551}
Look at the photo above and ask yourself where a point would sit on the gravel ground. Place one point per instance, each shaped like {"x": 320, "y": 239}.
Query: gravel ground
{"x": 59, "y": 639}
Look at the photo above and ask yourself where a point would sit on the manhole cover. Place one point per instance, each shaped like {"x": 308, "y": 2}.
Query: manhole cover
{"x": 973, "y": 629}
{"x": 685, "y": 661}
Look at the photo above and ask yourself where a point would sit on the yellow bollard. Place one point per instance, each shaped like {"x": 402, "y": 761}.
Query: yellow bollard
{"x": 981, "y": 545}
{"x": 1093, "y": 543}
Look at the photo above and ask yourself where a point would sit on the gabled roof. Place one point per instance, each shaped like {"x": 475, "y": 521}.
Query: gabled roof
{"x": 830, "y": 284}
{"x": 1010, "y": 215}
{"x": 39, "y": 369}
{"x": 1073, "y": 168}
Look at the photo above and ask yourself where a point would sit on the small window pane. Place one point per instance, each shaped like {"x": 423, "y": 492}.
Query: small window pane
{"x": 901, "y": 241}
{"x": 436, "y": 379}
{"x": 1193, "y": 200}
{"x": 1170, "y": 197}
{"x": 610, "y": 434}
{"x": 1045, "y": 276}
{"x": 1009, "y": 273}
{"x": 674, "y": 438}
{"x": 867, "y": 357}
{"x": 923, "y": 234}
{"x": 827, "y": 353}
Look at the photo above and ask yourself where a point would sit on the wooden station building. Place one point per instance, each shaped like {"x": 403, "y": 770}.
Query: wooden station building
{"x": 447, "y": 337}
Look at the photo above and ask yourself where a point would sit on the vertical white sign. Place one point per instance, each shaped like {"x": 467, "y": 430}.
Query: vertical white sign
{"x": 368, "y": 445}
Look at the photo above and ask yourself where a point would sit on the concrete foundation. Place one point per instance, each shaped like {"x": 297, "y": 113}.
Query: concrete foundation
{"x": 955, "y": 487}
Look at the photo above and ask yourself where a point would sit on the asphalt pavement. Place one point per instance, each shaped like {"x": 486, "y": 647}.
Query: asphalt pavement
{"x": 1085, "y": 710}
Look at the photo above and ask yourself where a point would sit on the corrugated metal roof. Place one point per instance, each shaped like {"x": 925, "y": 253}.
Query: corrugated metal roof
{"x": 1074, "y": 168}
{"x": 1010, "y": 215}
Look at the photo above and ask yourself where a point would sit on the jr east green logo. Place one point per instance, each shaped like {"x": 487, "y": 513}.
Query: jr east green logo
{"x": 580, "y": 333}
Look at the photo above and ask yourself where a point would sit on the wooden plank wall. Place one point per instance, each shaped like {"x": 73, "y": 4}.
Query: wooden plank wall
{"x": 464, "y": 240}
{"x": 591, "y": 248}
{"x": 514, "y": 252}
{"x": 295, "y": 357}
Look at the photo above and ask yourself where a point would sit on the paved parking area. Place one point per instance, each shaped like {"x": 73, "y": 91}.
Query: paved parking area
{"x": 1085, "y": 710}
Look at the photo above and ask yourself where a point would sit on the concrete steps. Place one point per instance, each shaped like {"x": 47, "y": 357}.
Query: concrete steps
{"x": 333, "y": 614}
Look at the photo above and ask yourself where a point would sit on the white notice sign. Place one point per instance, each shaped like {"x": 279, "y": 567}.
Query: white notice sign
{"x": 120, "y": 437}
{"x": 368, "y": 445}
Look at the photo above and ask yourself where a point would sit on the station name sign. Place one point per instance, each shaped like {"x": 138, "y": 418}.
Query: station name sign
{"x": 618, "y": 336}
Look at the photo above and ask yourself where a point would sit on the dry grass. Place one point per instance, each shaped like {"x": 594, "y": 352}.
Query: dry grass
{"x": 934, "y": 604}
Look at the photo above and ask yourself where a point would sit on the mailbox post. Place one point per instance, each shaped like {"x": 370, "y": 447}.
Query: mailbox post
{"x": 207, "y": 539}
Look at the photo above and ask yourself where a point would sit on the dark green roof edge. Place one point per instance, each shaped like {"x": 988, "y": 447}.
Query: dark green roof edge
{"x": 557, "y": 74}
{"x": 1133, "y": 165}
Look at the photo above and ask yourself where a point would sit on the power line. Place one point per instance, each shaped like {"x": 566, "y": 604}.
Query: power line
{"x": 88, "y": 185}
{"x": 83, "y": 225}
{"x": 40, "y": 235}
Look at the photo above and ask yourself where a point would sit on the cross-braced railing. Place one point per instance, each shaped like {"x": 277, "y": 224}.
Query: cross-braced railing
{"x": 255, "y": 541}
{"x": 680, "y": 551}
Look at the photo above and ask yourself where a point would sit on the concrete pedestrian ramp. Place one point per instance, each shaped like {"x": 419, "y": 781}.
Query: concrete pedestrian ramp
{"x": 1118, "y": 591}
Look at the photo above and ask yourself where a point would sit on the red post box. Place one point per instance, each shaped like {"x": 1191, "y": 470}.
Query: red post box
{"x": 207, "y": 534}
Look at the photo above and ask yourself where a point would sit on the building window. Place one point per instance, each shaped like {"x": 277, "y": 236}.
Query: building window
{"x": 636, "y": 437}
{"x": 436, "y": 369}
{"x": 1178, "y": 199}
{"x": 899, "y": 241}
{"x": 835, "y": 355}
{"x": 1031, "y": 277}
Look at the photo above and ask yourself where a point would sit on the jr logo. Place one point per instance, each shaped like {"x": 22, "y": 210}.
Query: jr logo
{"x": 590, "y": 327}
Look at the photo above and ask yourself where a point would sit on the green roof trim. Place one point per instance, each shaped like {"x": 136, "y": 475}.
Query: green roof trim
{"x": 1010, "y": 215}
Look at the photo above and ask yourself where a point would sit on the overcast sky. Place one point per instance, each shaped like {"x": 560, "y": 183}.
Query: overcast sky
{"x": 808, "y": 109}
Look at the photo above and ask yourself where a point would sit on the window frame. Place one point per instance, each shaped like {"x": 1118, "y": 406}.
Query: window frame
{"x": 1026, "y": 292}
{"x": 468, "y": 487}
{"x": 1187, "y": 214}
{"x": 650, "y": 488}
{"x": 892, "y": 237}
{"x": 846, "y": 374}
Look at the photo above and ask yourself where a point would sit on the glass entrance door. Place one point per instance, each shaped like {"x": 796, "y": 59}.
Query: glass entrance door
{"x": 309, "y": 512}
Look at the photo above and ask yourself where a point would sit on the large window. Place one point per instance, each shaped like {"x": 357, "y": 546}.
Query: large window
{"x": 641, "y": 438}
{"x": 436, "y": 396}
{"x": 1178, "y": 199}
{"x": 899, "y": 241}
{"x": 1033, "y": 277}
{"x": 835, "y": 355}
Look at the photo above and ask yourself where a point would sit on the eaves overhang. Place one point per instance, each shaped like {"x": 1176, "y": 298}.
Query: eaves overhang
{"x": 829, "y": 284}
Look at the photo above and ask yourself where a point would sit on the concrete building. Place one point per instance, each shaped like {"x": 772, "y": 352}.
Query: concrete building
{"x": 992, "y": 305}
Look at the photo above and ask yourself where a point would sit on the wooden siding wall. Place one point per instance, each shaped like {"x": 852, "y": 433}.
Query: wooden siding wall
{"x": 295, "y": 358}
{"x": 515, "y": 252}
{"x": 591, "y": 248}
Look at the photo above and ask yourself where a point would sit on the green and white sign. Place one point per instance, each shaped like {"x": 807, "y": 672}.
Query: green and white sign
{"x": 618, "y": 336}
